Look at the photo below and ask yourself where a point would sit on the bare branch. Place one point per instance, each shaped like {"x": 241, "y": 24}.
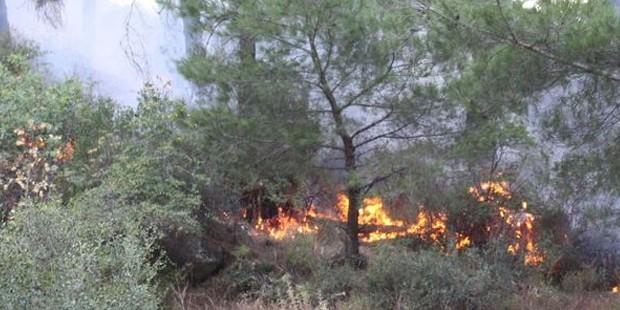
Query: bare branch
{"x": 367, "y": 187}
{"x": 383, "y": 135}
{"x": 373, "y": 124}
{"x": 373, "y": 84}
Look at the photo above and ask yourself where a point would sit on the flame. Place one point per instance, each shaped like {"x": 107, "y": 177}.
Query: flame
{"x": 517, "y": 225}
{"x": 285, "y": 225}
{"x": 462, "y": 241}
{"x": 616, "y": 289}
{"x": 491, "y": 191}
{"x": 427, "y": 226}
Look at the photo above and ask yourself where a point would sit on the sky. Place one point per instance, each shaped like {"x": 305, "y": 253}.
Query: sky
{"x": 95, "y": 43}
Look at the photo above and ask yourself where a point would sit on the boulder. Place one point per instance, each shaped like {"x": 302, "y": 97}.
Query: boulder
{"x": 330, "y": 243}
{"x": 198, "y": 256}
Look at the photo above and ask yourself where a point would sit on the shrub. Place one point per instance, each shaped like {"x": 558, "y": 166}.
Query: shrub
{"x": 299, "y": 258}
{"x": 248, "y": 279}
{"x": 53, "y": 257}
{"x": 333, "y": 281}
{"x": 587, "y": 279}
{"x": 69, "y": 112}
{"x": 431, "y": 280}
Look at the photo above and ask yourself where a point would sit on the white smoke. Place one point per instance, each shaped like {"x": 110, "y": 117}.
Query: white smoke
{"x": 118, "y": 44}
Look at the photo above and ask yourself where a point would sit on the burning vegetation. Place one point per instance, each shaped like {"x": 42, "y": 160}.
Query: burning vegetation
{"x": 376, "y": 224}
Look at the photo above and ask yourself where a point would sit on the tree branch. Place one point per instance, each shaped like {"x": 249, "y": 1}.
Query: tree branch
{"x": 373, "y": 124}
{"x": 531, "y": 47}
{"x": 367, "y": 187}
{"x": 373, "y": 84}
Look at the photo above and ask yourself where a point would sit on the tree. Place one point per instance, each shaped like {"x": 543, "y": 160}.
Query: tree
{"x": 356, "y": 65}
{"x": 554, "y": 57}
{"x": 257, "y": 134}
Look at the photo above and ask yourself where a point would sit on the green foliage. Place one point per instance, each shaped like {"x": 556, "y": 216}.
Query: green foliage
{"x": 150, "y": 170}
{"x": 72, "y": 113}
{"x": 129, "y": 179}
{"x": 77, "y": 258}
{"x": 26, "y": 96}
{"x": 261, "y": 147}
{"x": 430, "y": 280}
{"x": 587, "y": 279}
{"x": 248, "y": 279}
{"x": 551, "y": 64}
{"x": 329, "y": 279}
{"x": 242, "y": 252}
{"x": 303, "y": 71}
{"x": 299, "y": 257}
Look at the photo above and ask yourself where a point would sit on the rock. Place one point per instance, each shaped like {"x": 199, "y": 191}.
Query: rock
{"x": 198, "y": 256}
{"x": 330, "y": 243}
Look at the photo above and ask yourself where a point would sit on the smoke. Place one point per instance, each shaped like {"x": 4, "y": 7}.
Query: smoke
{"x": 117, "y": 44}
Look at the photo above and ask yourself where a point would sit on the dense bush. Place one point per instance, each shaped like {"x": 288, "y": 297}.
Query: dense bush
{"x": 337, "y": 281}
{"x": 90, "y": 244}
{"x": 53, "y": 257}
{"x": 299, "y": 257}
{"x": 66, "y": 110}
{"x": 431, "y": 280}
{"x": 587, "y": 279}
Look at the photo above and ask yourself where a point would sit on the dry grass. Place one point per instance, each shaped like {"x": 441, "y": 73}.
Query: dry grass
{"x": 535, "y": 299}
{"x": 294, "y": 298}
{"x": 186, "y": 298}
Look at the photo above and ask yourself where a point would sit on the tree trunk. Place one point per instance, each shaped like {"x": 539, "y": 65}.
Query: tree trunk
{"x": 247, "y": 57}
{"x": 348, "y": 149}
{"x": 355, "y": 200}
{"x": 353, "y": 245}
{"x": 191, "y": 35}
{"x": 5, "y": 32}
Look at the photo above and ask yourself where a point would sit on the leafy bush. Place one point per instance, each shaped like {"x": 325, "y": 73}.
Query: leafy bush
{"x": 431, "y": 280}
{"x": 66, "y": 108}
{"x": 299, "y": 257}
{"x": 587, "y": 279}
{"x": 53, "y": 257}
{"x": 339, "y": 280}
{"x": 126, "y": 182}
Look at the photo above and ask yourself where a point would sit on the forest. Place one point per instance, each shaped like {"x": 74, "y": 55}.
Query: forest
{"x": 338, "y": 154}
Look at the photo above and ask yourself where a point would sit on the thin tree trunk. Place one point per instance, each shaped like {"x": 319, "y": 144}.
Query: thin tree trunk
{"x": 191, "y": 35}
{"x": 247, "y": 57}
{"x": 352, "y": 250}
{"x": 5, "y": 32}
{"x": 355, "y": 201}
{"x": 354, "y": 193}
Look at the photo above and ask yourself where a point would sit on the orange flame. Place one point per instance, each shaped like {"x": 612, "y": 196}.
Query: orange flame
{"x": 462, "y": 241}
{"x": 520, "y": 224}
{"x": 616, "y": 289}
{"x": 428, "y": 226}
{"x": 285, "y": 225}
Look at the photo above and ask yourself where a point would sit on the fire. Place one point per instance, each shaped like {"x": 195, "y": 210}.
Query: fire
{"x": 491, "y": 191}
{"x": 616, "y": 289}
{"x": 462, "y": 241}
{"x": 519, "y": 224}
{"x": 427, "y": 226}
{"x": 377, "y": 225}
{"x": 286, "y": 225}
